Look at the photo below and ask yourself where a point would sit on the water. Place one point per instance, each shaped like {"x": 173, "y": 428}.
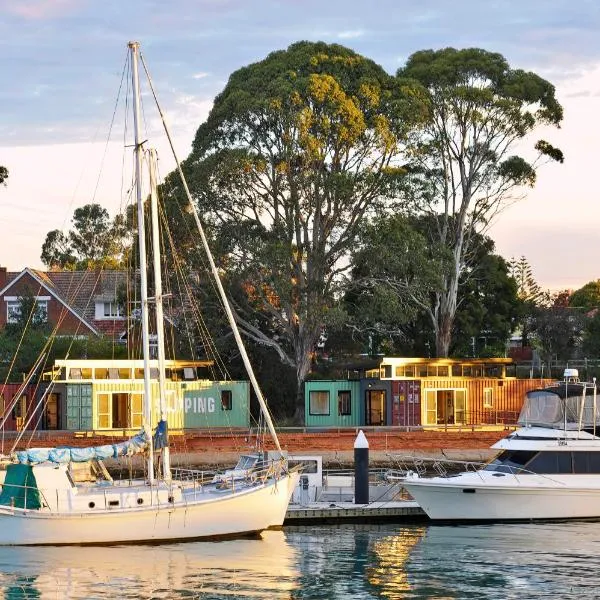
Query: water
{"x": 523, "y": 561}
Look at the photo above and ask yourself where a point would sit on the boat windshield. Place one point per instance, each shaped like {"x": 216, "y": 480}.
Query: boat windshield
{"x": 510, "y": 461}
{"x": 246, "y": 462}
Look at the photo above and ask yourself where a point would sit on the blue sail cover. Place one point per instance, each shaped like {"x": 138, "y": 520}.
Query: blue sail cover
{"x": 67, "y": 454}
{"x": 161, "y": 435}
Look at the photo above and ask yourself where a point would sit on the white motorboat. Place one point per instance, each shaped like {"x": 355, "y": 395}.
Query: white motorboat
{"x": 41, "y": 503}
{"x": 549, "y": 468}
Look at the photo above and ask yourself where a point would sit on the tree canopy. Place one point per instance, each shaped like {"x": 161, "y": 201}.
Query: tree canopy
{"x": 586, "y": 297}
{"x": 297, "y": 149}
{"x": 3, "y": 175}
{"x": 93, "y": 240}
{"x": 463, "y": 167}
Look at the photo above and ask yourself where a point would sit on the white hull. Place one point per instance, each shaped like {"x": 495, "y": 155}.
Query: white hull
{"x": 522, "y": 497}
{"x": 196, "y": 515}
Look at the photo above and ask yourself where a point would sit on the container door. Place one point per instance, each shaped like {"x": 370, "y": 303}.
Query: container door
{"x": 375, "y": 407}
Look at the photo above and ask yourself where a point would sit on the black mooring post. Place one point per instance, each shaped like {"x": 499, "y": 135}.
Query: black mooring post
{"x": 361, "y": 469}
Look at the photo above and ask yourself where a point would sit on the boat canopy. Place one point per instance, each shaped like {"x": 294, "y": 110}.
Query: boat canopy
{"x": 570, "y": 404}
{"x": 20, "y": 488}
{"x": 68, "y": 454}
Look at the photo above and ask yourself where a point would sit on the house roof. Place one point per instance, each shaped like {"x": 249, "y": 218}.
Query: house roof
{"x": 78, "y": 291}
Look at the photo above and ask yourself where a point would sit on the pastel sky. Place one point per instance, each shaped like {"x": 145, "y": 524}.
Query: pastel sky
{"x": 61, "y": 63}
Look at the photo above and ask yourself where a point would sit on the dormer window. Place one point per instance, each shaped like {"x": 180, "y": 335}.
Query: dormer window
{"x": 109, "y": 310}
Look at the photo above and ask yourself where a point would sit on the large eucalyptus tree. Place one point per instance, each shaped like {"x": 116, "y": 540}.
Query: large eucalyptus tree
{"x": 480, "y": 111}
{"x": 297, "y": 149}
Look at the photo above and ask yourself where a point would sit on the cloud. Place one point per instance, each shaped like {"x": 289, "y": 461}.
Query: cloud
{"x": 200, "y": 75}
{"x": 351, "y": 34}
{"x": 38, "y": 9}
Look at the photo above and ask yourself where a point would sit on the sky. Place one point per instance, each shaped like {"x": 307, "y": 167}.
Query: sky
{"x": 61, "y": 65}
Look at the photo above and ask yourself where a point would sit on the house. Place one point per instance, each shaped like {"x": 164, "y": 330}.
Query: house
{"x": 422, "y": 392}
{"x": 76, "y": 303}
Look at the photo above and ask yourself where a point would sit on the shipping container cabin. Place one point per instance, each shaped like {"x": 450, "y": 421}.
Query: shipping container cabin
{"x": 106, "y": 396}
{"x": 442, "y": 392}
{"x": 331, "y": 403}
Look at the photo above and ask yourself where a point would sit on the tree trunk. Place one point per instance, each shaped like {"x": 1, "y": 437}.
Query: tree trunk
{"x": 446, "y": 314}
{"x": 304, "y": 345}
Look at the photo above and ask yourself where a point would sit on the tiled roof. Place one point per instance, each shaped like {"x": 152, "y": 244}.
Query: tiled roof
{"x": 80, "y": 289}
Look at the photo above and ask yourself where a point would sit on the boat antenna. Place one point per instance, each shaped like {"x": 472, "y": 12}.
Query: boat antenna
{"x": 134, "y": 49}
{"x": 236, "y": 333}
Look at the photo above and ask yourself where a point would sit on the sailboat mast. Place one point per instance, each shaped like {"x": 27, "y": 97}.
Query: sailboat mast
{"x": 134, "y": 49}
{"x": 158, "y": 297}
{"x": 230, "y": 317}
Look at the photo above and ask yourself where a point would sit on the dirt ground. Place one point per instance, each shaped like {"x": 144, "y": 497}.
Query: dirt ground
{"x": 217, "y": 450}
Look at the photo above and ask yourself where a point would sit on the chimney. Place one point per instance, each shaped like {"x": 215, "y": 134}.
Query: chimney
{"x": 2, "y": 277}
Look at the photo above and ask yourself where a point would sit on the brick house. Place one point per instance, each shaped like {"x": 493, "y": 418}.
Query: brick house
{"x": 80, "y": 303}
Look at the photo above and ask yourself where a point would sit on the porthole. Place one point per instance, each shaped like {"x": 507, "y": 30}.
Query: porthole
{"x": 171, "y": 499}
{"x": 140, "y": 501}
{"x": 92, "y": 504}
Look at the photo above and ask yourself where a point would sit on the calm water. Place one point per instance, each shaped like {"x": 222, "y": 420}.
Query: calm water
{"x": 417, "y": 561}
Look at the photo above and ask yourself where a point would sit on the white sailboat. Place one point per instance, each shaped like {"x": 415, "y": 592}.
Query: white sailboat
{"x": 41, "y": 504}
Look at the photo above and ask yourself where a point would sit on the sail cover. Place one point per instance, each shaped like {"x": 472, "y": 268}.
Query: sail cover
{"x": 20, "y": 488}
{"x": 574, "y": 405}
{"x": 68, "y": 454}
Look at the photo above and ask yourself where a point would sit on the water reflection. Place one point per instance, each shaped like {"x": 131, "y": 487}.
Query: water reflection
{"x": 389, "y": 571}
{"x": 517, "y": 561}
{"x": 354, "y": 561}
{"x": 264, "y": 567}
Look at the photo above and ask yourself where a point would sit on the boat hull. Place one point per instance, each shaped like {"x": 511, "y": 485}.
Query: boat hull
{"x": 528, "y": 497}
{"x": 217, "y": 516}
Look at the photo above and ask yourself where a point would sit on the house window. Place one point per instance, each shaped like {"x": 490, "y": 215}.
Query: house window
{"x": 344, "y": 403}
{"x": 319, "y": 403}
{"x": 226, "y": 400}
{"x": 42, "y": 311}
{"x": 109, "y": 310}
{"x": 488, "y": 398}
{"x": 112, "y": 309}
{"x": 13, "y": 311}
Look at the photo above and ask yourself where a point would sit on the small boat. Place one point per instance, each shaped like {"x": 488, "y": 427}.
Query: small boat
{"x": 549, "y": 468}
{"x": 42, "y": 503}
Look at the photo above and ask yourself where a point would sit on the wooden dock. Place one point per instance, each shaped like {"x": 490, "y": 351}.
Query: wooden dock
{"x": 336, "y": 512}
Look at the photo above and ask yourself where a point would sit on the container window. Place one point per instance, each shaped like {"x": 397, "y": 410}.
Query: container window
{"x": 344, "y": 403}
{"x": 488, "y": 398}
{"x": 319, "y": 403}
{"x": 226, "y": 400}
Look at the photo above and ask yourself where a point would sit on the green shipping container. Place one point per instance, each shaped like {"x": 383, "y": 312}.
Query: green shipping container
{"x": 216, "y": 404}
{"x": 332, "y": 403}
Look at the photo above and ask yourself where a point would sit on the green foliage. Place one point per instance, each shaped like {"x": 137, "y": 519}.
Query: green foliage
{"x": 591, "y": 336}
{"x": 488, "y": 308}
{"x": 557, "y": 332}
{"x": 586, "y": 297}
{"x": 462, "y": 168}
{"x": 3, "y": 175}
{"x": 93, "y": 241}
{"x": 394, "y": 273}
{"x": 528, "y": 289}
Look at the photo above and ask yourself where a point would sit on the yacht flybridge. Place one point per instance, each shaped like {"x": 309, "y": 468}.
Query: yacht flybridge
{"x": 42, "y": 503}
{"x": 549, "y": 468}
